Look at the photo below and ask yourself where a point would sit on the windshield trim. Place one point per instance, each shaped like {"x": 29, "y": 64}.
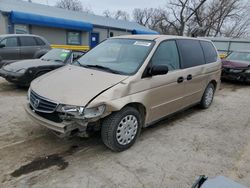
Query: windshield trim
{"x": 139, "y": 65}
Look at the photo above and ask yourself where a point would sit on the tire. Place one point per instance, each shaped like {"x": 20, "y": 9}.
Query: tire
{"x": 120, "y": 130}
{"x": 207, "y": 97}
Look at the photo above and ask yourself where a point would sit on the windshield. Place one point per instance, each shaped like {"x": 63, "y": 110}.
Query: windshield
{"x": 58, "y": 55}
{"x": 121, "y": 56}
{"x": 240, "y": 56}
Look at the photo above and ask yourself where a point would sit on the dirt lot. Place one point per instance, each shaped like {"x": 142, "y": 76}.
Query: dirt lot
{"x": 170, "y": 154}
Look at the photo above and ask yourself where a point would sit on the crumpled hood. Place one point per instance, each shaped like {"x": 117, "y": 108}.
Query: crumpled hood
{"x": 74, "y": 85}
{"x": 235, "y": 64}
{"x": 25, "y": 64}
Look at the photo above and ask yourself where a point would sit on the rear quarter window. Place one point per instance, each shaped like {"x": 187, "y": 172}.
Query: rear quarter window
{"x": 191, "y": 53}
{"x": 27, "y": 41}
{"x": 209, "y": 52}
{"x": 39, "y": 41}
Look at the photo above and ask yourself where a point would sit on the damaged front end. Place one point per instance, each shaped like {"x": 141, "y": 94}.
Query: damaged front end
{"x": 64, "y": 120}
{"x": 237, "y": 74}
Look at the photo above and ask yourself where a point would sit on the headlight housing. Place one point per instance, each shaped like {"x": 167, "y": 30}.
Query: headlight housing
{"x": 21, "y": 71}
{"x": 94, "y": 112}
{"x": 72, "y": 110}
{"x": 235, "y": 70}
{"x": 28, "y": 94}
{"x": 247, "y": 71}
{"x": 82, "y": 112}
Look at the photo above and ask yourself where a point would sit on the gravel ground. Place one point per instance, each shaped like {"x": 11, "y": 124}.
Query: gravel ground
{"x": 171, "y": 153}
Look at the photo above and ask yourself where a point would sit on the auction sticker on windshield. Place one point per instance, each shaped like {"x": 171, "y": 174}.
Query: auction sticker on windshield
{"x": 140, "y": 43}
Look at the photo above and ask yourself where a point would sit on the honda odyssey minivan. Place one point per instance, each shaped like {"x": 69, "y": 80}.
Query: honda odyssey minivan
{"x": 124, "y": 84}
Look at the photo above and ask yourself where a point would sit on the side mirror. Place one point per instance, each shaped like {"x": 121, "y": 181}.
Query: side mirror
{"x": 158, "y": 70}
{"x": 2, "y": 45}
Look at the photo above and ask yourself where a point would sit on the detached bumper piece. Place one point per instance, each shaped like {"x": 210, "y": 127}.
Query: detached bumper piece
{"x": 217, "y": 182}
{"x": 60, "y": 128}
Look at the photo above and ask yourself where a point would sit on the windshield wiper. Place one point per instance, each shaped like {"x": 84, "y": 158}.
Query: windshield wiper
{"x": 57, "y": 60}
{"x": 102, "y": 68}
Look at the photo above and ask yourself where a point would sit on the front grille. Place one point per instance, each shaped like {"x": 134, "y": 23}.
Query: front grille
{"x": 41, "y": 104}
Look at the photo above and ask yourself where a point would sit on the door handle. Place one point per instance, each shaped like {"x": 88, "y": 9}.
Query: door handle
{"x": 189, "y": 77}
{"x": 180, "y": 79}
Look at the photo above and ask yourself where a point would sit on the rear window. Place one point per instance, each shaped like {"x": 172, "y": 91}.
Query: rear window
{"x": 191, "y": 53}
{"x": 39, "y": 41}
{"x": 27, "y": 41}
{"x": 209, "y": 52}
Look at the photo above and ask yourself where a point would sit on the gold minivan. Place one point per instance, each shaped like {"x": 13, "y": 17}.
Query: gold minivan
{"x": 124, "y": 84}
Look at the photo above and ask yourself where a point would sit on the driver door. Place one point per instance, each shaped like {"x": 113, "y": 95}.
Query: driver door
{"x": 167, "y": 91}
{"x": 11, "y": 49}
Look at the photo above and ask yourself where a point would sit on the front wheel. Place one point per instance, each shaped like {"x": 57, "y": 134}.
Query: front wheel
{"x": 208, "y": 96}
{"x": 121, "y": 129}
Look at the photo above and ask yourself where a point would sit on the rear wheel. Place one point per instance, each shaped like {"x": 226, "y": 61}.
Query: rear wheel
{"x": 121, "y": 129}
{"x": 208, "y": 96}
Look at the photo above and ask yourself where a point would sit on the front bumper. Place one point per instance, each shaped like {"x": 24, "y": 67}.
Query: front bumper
{"x": 241, "y": 76}
{"x": 14, "y": 77}
{"x": 64, "y": 128}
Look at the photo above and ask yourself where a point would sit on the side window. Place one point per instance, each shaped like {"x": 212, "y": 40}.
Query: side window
{"x": 10, "y": 42}
{"x": 27, "y": 41}
{"x": 209, "y": 52}
{"x": 191, "y": 53}
{"x": 167, "y": 54}
{"x": 39, "y": 41}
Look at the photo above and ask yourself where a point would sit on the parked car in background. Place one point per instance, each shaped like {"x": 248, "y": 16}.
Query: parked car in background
{"x": 14, "y": 47}
{"x": 23, "y": 72}
{"x": 237, "y": 67}
{"x": 126, "y": 83}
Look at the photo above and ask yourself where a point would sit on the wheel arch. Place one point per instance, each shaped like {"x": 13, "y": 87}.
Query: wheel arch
{"x": 214, "y": 82}
{"x": 141, "y": 109}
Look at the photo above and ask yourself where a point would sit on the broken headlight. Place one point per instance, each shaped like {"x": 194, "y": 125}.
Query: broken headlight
{"x": 94, "y": 112}
{"x": 81, "y": 112}
{"x": 72, "y": 110}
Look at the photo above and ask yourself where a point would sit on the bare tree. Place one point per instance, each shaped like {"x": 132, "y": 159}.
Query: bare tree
{"x": 198, "y": 18}
{"x": 153, "y": 18}
{"x": 118, "y": 15}
{"x": 222, "y": 18}
{"x": 107, "y": 14}
{"x": 182, "y": 12}
{"x": 74, "y": 5}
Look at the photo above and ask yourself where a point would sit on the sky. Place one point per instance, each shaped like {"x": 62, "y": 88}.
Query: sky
{"x": 98, "y": 6}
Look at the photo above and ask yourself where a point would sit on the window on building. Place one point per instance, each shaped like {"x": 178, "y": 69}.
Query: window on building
{"x": 111, "y": 34}
{"x": 27, "y": 41}
{"x": 10, "y": 42}
{"x": 167, "y": 54}
{"x": 74, "y": 38}
{"x": 21, "y": 29}
{"x": 191, "y": 53}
